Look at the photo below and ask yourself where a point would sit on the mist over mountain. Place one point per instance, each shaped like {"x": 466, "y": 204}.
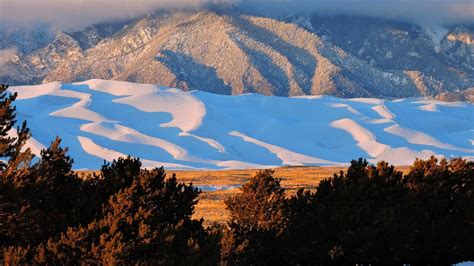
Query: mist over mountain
{"x": 76, "y": 14}
{"x": 227, "y": 51}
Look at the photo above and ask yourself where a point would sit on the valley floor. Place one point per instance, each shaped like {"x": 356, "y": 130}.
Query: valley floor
{"x": 218, "y": 185}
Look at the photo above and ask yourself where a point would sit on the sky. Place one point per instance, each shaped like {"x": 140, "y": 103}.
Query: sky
{"x": 76, "y": 14}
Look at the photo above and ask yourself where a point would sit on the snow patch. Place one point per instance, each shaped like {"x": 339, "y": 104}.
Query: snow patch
{"x": 364, "y": 138}
{"x": 187, "y": 111}
{"x": 417, "y": 137}
{"x": 436, "y": 34}
{"x": 287, "y": 157}
{"x": 383, "y": 111}
{"x": 28, "y": 92}
{"x": 109, "y": 155}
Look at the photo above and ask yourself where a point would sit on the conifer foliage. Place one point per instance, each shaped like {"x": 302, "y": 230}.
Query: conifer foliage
{"x": 11, "y": 145}
{"x": 258, "y": 222}
{"x": 370, "y": 214}
{"x": 148, "y": 222}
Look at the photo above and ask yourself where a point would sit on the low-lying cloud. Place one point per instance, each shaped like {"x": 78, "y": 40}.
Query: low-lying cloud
{"x": 75, "y": 14}
{"x": 6, "y": 55}
{"x": 417, "y": 11}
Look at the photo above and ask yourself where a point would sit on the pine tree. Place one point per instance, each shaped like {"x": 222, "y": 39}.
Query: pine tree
{"x": 442, "y": 195}
{"x": 119, "y": 174}
{"x": 362, "y": 214}
{"x": 36, "y": 201}
{"x": 14, "y": 169}
{"x": 258, "y": 222}
{"x": 148, "y": 223}
{"x": 7, "y": 121}
{"x": 11, "y": 147}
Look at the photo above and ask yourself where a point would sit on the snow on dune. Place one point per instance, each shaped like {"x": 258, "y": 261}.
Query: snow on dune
{"x": 184, "y": 130}
{"x": 403, "y": 156}
{"x": 35, "y": 146}
{"x": 287, "y": 157}
{"x": 383, "y": 111}
{"x": 109, "y": 155}
{"x": 348, "y": 107}
{"x": 421, "y": 138}
{"x": 78, "y": 110}
{"x": 232, "y": 164}
{"x": 93, "y": 149}
{"x": 126, "y": 134}
{"x": 379, "y": 151}
{"x": 28, "y": 92}
{"x": 186, "y": 110}
{"x": 118, "y": 88}
{"x": 432, "y": 105}
{"x": 367, "y": 100}
{"x": 211, "y": 142}
{"x": 364, "y": 138}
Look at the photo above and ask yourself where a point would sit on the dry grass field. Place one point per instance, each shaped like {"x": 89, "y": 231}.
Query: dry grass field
{"x": 217, "y": 185}
{"x": 211, "y": 203}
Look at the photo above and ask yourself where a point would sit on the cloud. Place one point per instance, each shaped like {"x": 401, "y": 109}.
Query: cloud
{"x": 417, "y": 11}
{"x": 6, "y": 55}
{"x": 75, "y": 14}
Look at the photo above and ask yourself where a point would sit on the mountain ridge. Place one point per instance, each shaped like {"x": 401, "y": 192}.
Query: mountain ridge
{"x": 234, "y": 53}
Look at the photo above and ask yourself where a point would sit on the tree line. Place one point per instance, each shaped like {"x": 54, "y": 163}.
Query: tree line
{"x": 369, "y": 214}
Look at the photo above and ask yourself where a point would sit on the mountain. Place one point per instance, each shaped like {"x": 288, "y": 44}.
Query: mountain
{"x": 229, "y": 52}
{"x": 102, "y": 120}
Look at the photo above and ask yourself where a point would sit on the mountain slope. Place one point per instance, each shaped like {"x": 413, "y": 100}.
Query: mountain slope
{"x": 102, "y": 120}
{"x": 228, "y": 52}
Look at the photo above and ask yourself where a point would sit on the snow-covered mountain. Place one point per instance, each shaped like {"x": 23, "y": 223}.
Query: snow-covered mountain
{"x": 229, "y": 52}
{"x": 102, "y": 120}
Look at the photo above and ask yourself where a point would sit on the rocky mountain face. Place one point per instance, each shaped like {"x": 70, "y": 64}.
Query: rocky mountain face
{"x": 228, "y": 52}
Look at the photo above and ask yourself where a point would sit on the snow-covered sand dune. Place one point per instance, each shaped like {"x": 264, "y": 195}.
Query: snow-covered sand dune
{"x": 100, "y": 120}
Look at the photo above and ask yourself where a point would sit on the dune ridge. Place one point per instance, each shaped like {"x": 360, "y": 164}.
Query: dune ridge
{"x": 101, "y": 120}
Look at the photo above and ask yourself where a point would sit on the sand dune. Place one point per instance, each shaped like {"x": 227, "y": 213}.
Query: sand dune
{"x": 287, "y": 157}
{"x": 364, "y": 138}
{"x": 102, "y": 120}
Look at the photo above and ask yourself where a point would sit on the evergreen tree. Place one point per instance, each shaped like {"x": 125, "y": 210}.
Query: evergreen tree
{"x": 14, "y": 169}
{"x": 361, "y": 215}
{"x": 442, "y": 195}
{"x": 36, "y": 201}
{"x": 257, "y": 223}
{"x": 147, "y": 223}
{"x": 7, "y": 122}
{"x": 118, "y": 175}
{"x": 11, "y": 146}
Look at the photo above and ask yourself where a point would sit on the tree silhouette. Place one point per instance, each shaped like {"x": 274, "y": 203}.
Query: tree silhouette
{"x": 361, "y": 214}
{"x": 442, "y": 194}
{"x": 258, "y": 222}
{"x": 146, "y": 223}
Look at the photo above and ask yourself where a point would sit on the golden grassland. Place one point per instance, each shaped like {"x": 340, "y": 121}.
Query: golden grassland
{"x": 211, "y": 205}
